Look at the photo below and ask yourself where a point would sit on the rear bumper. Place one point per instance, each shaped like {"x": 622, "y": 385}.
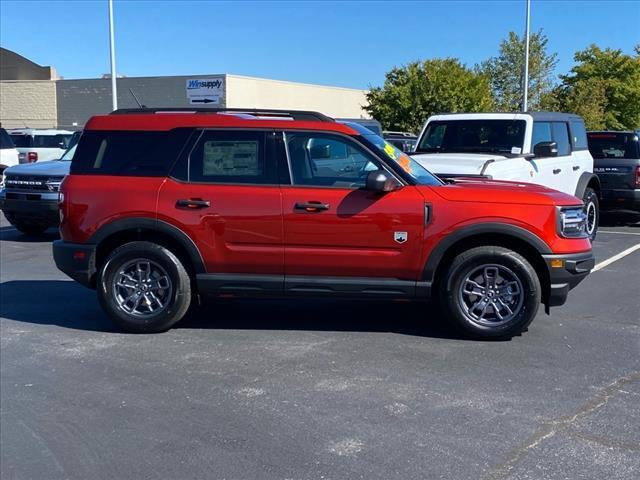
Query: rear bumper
{"x": 78, "y": 260}
{"x": 574, "y": 268}
{"x": 621, "y": 198}
{"x": 29, "y": 210}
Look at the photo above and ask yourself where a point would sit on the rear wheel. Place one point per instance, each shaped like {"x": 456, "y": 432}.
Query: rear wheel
{"x": 592, "y": 210}
{"x": 144, "y": 288}
{"x": 490, "y": 292}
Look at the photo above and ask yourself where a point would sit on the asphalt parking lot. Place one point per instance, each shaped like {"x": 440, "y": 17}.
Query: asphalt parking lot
{"x": 316, "y": 390}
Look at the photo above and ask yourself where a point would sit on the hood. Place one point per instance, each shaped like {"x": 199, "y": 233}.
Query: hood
{"x": 52, "y": 168}
{"x": 456, "y": 163}
{"x": 498, "y": 191}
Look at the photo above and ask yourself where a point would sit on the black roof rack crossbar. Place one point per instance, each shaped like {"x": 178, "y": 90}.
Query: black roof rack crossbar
{"x": 294, "y": 114}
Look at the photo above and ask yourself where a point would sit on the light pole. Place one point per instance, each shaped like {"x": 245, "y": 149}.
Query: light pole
{"x": 525, "y": 82}
{"x": 112, "y": 55}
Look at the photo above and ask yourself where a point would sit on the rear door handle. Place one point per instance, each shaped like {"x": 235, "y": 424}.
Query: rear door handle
{"x": 311, "y": 206}
{"x": 576, "y": 167}
{"x": 556, "y": 171}
{"x": 193, "y": 203}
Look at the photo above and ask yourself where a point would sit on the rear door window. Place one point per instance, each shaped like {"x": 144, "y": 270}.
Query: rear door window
{"x": 231, "y": 157}
{"x": 579, "y": 135}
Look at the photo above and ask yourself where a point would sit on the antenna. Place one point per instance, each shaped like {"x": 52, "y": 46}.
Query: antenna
{"x": 136, "y": 99}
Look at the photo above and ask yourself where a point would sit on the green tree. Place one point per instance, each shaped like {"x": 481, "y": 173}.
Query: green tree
{"x": 506, "y": 72}
{"x": 413, "y": 92}
{"x": 604, "y": 88}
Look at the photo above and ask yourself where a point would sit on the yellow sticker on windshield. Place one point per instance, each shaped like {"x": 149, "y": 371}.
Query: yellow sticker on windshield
{"x": 389, "y": 150}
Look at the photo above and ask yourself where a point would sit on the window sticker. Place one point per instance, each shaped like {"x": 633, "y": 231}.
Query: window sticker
{"x": 390, "y": 151}
{"x": 230, "y": 158}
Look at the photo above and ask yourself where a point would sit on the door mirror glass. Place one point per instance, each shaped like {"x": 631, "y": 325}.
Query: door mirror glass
{"x": 380, "y": 181}
{"x": 545, "y": 149}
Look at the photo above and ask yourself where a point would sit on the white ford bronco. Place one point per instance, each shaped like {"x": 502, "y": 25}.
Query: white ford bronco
{"x": 549, "y": 149}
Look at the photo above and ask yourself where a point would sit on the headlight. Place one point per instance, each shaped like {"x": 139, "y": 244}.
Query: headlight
{"x": 572, "y": 222}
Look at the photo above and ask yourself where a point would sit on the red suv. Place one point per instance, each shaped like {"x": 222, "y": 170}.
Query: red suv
{"x": 162, "y": 207}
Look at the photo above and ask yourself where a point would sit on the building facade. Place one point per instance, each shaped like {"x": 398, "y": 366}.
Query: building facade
{"x": 68, "y": 104}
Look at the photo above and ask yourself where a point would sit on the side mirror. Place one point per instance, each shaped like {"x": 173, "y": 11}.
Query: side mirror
{"x": 545, "y": 149}
{"x": 379, "y": 181}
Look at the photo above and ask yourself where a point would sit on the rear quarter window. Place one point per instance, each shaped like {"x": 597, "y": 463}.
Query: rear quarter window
{"x": 128, "y": 153}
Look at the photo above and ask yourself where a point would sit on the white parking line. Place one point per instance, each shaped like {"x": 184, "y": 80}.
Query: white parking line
{"x": 619, "y": 233}
{"x": 616, "y": 257}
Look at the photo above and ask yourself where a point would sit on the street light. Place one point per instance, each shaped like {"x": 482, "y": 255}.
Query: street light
{"x": 112, "y": 54}
{"x": 525, "y": 82}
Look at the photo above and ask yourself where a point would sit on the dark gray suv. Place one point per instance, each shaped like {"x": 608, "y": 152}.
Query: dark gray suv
{"x": 616, "y": 161}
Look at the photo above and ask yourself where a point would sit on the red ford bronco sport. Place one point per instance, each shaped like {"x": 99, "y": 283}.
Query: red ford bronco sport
{"x": 164, "y": 206}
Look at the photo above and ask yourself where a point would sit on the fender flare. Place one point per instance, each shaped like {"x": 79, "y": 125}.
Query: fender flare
{"x": 439, "y": 251}
{"x": 584, "y": 181}
{"x": 151, "y": 224}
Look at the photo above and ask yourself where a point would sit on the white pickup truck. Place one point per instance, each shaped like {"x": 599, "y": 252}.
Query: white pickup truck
{"x": 546, "y": 148}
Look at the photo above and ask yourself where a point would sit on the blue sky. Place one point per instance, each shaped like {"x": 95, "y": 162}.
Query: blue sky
{"x": 350, "y": 44}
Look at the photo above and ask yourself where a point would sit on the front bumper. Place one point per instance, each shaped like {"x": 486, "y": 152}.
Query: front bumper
{"x": 78, "y": 260}
{"x": 31, "y": 208}
{"x": 565, "y": 272}
{"x": 629, "y": 198}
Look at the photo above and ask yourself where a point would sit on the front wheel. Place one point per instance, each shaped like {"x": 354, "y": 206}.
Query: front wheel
{"x": 144, "y": 287}
{"x": 490, "y": 292}
{"x": 592, "y": 210}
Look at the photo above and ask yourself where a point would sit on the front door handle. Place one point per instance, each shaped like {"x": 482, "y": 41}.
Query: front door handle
{"x": 193, "y": 203}
{"x": 557, "y": 171}
{"x": 311, "y": 206}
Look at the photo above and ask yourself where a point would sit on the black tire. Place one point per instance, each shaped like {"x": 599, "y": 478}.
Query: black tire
{"x": 178, "y": 291}
{"x": 591, "y": 207}
{"x": 455, "y": 303}
{"x": 33, "y": 230}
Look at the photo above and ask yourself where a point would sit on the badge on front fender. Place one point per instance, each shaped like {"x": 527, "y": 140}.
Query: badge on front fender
{"x": 400, "y": 237}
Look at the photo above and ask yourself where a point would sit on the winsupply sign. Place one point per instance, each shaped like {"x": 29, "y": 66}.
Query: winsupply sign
{"x": 205, "y": 91}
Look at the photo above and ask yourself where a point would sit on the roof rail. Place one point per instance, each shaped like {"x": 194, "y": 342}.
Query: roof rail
{"x": 294, "y": 114}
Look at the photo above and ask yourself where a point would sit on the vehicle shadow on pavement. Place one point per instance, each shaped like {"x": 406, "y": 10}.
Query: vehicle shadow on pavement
{"x": 619, "y": 218}
{"x": 52, "y": 302}
{"x": 69, "y": 305}
{"x": 12, "y": 234}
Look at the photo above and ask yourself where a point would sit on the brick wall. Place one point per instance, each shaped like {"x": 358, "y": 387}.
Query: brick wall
{"x": 28, "y": 103}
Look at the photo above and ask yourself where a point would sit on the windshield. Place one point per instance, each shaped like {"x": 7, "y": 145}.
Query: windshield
{"x": 613, "y": 145}
{"x": 420, "y": 174}
{"x": 68, "y": 155}
{"x": 490, "y": 136}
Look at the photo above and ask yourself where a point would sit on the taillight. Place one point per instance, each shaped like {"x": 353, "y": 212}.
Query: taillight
{"x": 638, "y": 176}
{"x": 22, "y": 157}
{"x": 32, "y": 157}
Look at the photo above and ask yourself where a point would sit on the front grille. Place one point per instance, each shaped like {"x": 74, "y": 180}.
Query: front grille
{"x": 32, "y": 183}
